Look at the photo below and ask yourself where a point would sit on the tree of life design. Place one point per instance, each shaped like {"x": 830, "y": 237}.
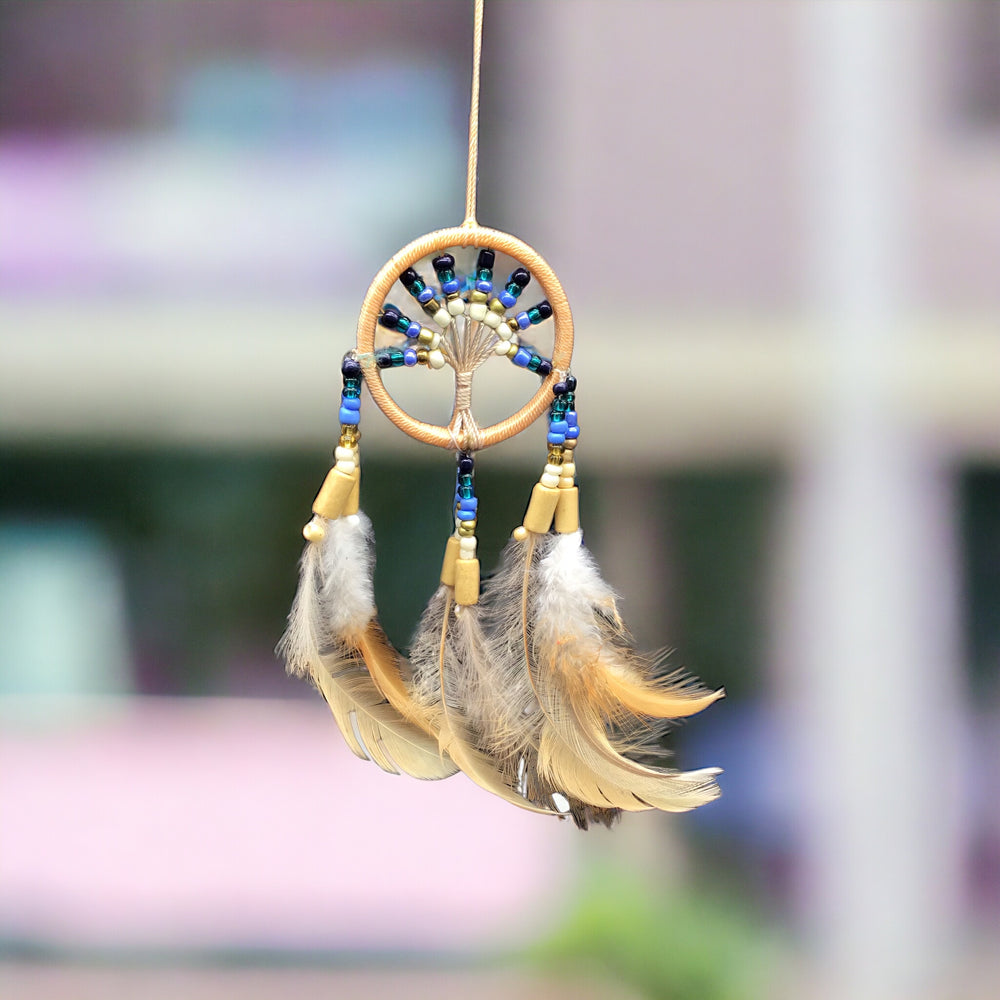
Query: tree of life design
{"x": 464, "y": 320}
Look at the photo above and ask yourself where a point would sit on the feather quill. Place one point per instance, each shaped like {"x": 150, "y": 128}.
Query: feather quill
{"x": 334, "y": 639}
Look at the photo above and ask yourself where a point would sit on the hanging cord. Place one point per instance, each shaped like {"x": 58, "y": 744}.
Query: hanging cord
{"x": 462, "y": 431}
{"x": 472, "y": 177}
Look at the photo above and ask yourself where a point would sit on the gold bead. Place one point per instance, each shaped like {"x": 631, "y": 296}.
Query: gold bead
{"x": 498, "y": 307}
{"x": 555, "y": 454}
{"x": 570, "y": 444}
{"x": 422, "y": 355}
{"x": 520, "y": 533}
{"x": 513, "y": 348}
{"x": 425, "y": 336}
{"x": 478, "y": 296}
{"x": 349, "y": 435}
{"x": 466, "y": 529}
{"x": 512, "y": 325}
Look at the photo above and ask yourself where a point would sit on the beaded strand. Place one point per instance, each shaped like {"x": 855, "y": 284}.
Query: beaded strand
{"x": 340, "y": 493}
{"x": 555, "y": 496}
{"x": 461, "y": 567}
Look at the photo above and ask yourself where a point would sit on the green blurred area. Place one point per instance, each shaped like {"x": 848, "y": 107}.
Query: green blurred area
{"x": 663, "y": 942}
{"x": 208, "y": 544}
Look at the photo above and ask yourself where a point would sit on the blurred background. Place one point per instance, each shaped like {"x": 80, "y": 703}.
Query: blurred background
{"x": 779, "y": 227}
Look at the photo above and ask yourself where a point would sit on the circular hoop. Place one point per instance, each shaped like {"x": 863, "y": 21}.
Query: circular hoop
{"x": 442, "y": 239}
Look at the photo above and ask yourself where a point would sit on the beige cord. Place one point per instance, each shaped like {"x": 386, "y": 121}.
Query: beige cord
{"x": 472, "y": 176}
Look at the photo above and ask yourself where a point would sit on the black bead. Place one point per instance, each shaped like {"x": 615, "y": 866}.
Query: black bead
{"x": 521, "y": 276}
{"x": 570, "y": 384}
{"x": 486, "y": 259}
{"x": 350, "y": 368}
{"x": 444, "y": 263}
{"x": 465, "y": 465}
{"x": 389, "y": 318}
{"x": 559, "y": 389}
{"x": 544, "y": 309}
{"x": 545, "y": 368}
{"x": 383, "y": 360}
{"x": 408, "y": 277}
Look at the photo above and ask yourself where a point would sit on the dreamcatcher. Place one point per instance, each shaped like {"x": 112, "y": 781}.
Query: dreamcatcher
{"x": 528, "y": 683}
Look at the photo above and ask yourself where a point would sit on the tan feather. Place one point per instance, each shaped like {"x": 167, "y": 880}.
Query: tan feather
{"x": 371, "y": 726}
{"x": 664, "y": 702}
{"x": 331, "y": 630}
{"x": 568, "y": 661}
{"x": 600, "y": 783}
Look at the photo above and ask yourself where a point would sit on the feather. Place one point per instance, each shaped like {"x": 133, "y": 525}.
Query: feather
{"x": 452, "y": 668}
{"x": 576, "y": 609}
{"x": 334, "y": 639}
{"x": 554, "y": 619}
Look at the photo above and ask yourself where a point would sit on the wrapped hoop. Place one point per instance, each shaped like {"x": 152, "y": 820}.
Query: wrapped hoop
{"x": 442, "y": 239}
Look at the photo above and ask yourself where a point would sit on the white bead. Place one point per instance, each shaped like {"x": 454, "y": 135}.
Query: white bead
{"x": 520, "y": 533}
{"x": 435, "y": 342}
{"x": 551, "y": 481}
{"x": 346, "y": 467}
{"x": 515, "y": 340}
{"x": 353, "y": 520}
{"x": 566, "y": 483}
{"x": 342, "y": 454}
{"x": 478, "y": 311}
{"x": 492, "y": 320}
{"x": 504, "y": 332}
{"x": 467, "y": 547}
{"x": 500, "y": 347}
{"x": 553, "y": 470}
{"x": 435, "y": 359}
{"x": 456, "y": 306}
{"x": 314, "y": 531}
{"x": 442, "y": 317}
{"x": 569, "y": 469}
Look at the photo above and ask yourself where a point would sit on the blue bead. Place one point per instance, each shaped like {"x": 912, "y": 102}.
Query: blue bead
{"x": 409, "y": 357}
{"x": 559, "y": 426}
{"x": 349, "y": 416}
{"x": 573, "y": 433}
{"x": 523, "y": 321}
{"x": 426, "y": 295}
{"x": 522, "y": 358}
{"x": 556, "y": 438}
{"x": 484, "y": 286}
{"x": 506, "y": 298}
{"x": 449, "y": 286}
{"x": 571, "y": 418}
{"x": 413, "y": 330}
{"x": 465, "y": 515}
{"x": 470, "y": 503}
{"x": 350, "y": 403}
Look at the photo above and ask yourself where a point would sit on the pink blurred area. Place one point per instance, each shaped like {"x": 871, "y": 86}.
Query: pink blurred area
{"x": 231, "y": 824}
